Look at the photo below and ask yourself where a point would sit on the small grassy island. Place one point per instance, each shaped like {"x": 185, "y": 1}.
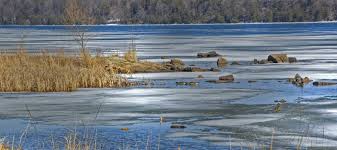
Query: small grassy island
{"x": 59, "y": 72}
{"x": 44, "y": 72}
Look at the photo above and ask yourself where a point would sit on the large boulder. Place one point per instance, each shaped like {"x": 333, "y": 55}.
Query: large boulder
{"x": 209, "y": 54}
{"x": 222, "y": 62}
{"x": 278, "y": 58}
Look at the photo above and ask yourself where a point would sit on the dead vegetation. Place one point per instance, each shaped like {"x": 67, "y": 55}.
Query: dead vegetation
{"x": 57, "y": 72}
{"x": 45, "y": 72}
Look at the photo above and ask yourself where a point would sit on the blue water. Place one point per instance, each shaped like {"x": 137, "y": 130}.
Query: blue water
{"x": 188, "y": 29}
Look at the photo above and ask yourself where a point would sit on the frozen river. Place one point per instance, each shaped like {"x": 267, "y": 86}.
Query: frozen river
{"x": 217, "y": 116}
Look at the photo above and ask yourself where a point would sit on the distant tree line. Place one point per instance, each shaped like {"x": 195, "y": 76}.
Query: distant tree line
{"x": 164, "y": 11}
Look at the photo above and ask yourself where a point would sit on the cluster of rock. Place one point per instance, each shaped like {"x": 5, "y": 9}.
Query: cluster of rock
{"x": 208, "y": 54}
{"x": 221, "y": 62}
{"x": 223, "y": 79}
{"x": 299, "y": 81}
{"x": 276, "y": 58}
{"x": 178, "y": 65}
{"x": 187, "y": 83}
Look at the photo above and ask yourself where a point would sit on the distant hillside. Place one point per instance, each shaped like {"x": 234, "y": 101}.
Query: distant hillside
{"x": 164, "y": 11}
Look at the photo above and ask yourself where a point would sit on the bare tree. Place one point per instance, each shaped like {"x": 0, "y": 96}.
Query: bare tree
{"x": 75, "y": 13}
{"x": 81, "y": 37}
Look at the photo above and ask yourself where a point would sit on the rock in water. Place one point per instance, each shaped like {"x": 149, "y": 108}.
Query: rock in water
{"x": 181, "y": 83}
{"x": 209, "y": 54}
{"x": 292, "y": 60}
{"x": 227, "y": 78}
{"x": 324, "y": 83}
{"x": 282, "y": 101}
{"x": 255, "y": 61}
{"x": 299, "y": 81}
{"x": 187, "y": 83}
{"x": 235, "y": 63}
{"x": 306, "y": 80}
{"x": 177, "y": 62}
{"x": 214, "y": 70}
{"x": 200, "y": 76}
{"x": 194, "y": 69}
{"x": 178, "y": 126}
{"x": 222, "y": 62}
{"x": 219, "y": 81}
{"x": 278, "y": 58}
{"x": 175, "y": 65}
{"x": 263, "y": 61}
{"x": 223, "y": 79}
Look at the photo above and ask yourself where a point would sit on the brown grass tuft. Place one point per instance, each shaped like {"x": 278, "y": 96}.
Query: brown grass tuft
{"x": 131, "y": 56}
{"x": 130, "y": 64}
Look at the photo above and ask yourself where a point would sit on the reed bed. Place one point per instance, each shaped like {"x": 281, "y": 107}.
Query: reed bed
{"x": 44, "y": 72}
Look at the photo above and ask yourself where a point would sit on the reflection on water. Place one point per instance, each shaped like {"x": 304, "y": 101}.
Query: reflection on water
{"x": 217, "y": 116}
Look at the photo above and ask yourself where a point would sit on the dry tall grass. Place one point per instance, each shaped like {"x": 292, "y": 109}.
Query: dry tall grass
{"x": 4, "y": 147}
{"x": 73, "y": 142}
{"x": 130, "y": 64}
{"x": 131, "y": 56}
{"x": 45, "y": 72}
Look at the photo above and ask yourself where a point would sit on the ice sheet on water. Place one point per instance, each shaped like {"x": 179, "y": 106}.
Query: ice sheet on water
{"x": 240, "y": 120}
{"x": 116, "y": 103}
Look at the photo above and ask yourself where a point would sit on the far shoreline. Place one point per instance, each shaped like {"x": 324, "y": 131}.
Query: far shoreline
{"x": 180, "y": 24}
